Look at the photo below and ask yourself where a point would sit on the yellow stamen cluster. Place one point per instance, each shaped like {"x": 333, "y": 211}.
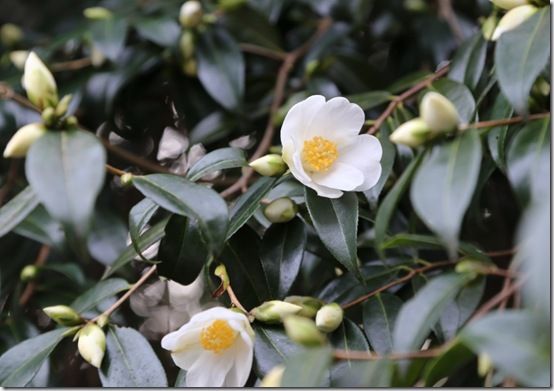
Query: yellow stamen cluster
{"x": 218, "y": 336}
{"x": 319, "y": 154}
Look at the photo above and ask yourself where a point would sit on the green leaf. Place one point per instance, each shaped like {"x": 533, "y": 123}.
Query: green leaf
{"x": 162, "y": 31}
{"x": 336, "y": 223}
{"x": 271, "y": 348}
{"x": 497, "y": 136}
{"x": 374, "y": 374}
{"x": 347, "y": 337}
{"x": 517, "y": 73}
{"x": 308, "y": 368}
{"x": 387, "y": 163}
{"x": 181, "y": 379}
{"x": 139, "y": 216}
{"x": 109, "y": 35}
{"x": 419, "y": 314}
{"x": 221, "y": 67}
{"x": 247, "y": 204}
{"x": 59, "y": 167}
{"x": 107, "y": 237}
{"x": 257, "y": 31}
{"x": 39, "y": 226}
{"x": 21, "y": 363}
{"x": 370, "y": 100}
{"x": 469, "y": 61}
{"x": 380, "y": 312}
{"x": 281, "y": 255}
{"x": 130, "y": 361}
{"x": 101, "y": 291}
{"x": 17, "y": 209}
{"x": 517, "y": 343}
{"x": 444, "y": 184}
{"x": 220, "y": 159}
{"x": 455, "y": 357}
{"x": 459, "y": 95}
{"x": 179, "y": 195}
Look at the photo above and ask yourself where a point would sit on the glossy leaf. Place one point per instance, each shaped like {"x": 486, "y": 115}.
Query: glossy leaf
{"x": 347, "y": 337}
{"x": 17, "y": 209}
{"x": 40, "y": 226}
{"x": 98, "y": 293}
{"x": 365, "y": 374}
{"x": 455, "y": 357}
{"x": 380, "y": 312}
{"x": 271, "y": 347}
{"x": 498, "y": 135}
{"x": 162, "y": 31}
{"x": 469, "y": 61}
{"x": 220, "y": 159}
{"x": 369, "y": 100}
{"x": 139, "y": 216}
{"x": 108, "y": 36}
{"x": 308, "y": 368}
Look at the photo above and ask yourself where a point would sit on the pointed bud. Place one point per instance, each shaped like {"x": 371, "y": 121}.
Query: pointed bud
{"x": 126, "y": 179}
{"x": 221, "y": 272}
{"x": 438, "y": 112}
{"x": 488, "y": 26}
{"x": 269, "y": 165}
{"x": 97, "y": 13}
{"x": 412, "y": 133}
{"x": 310, "y": 305}
{"x": 62, "y": 107}
{"x": 512, "y": 19}
{"x": 472, "y": 267}
{"x": 190, "y": 67}
{"x": 274, "y": 311}
{"x": 303, "y": 331}
{"x": 329, "y": 317}
{"x": 22, "y": 140}
{"x": 10, "y": 34}
{"x": 484, "y": 364}
{"x": 97, "y": 58}
{"x": 29, "y": 273}
{"x": 48, "y": 116}
{"x": 187, "y": 44}
{"x": 273, "y": 377}
{"x": 509, "y": 4}
{"x": 71, "y": 121}
{"x": 39, "y": 83}
{"x": 92, "y": 344}
{"x": 281, "y": 210}
{"x": 18, "y": 58}
{"x": 191, "y": 14}
{"x": 63, "y": 315}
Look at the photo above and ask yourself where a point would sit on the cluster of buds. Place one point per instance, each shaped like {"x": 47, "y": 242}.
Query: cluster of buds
{"x": 437, "y": 116}
{"x": 191, "y": 17}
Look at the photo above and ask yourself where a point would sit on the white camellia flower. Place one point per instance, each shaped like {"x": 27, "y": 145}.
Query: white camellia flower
{"x": 215, "y": 348}
{"x": 323, "y": 149}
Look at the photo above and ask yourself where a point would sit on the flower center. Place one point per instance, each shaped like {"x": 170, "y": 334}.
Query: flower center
{"x": 218, "y": 336}
{"x": 319, "y": 154}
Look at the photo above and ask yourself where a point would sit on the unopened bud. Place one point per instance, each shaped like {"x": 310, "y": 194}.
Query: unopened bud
{"x": 274, "y": 311}
{"x": 484, "y": 364}
{"x": 29, "y": 273}
{"x": 48, "y": 116}
{"x": 281, "y": 210}
{"x": 39, "y": 83}
{"x": 412, "y": 133}
{"x": 186, "y": 44}
{"x": 18, "y": 58}
{"x": 71, "y": 121}
{"x": 221, "y": 272}
{"x": 97, "y": 13}
{"x": 10, "y": 34}
{"x": 273, "y": 377}
{"x": 438, "y": 112}
{"x": 97, "y": 58}
{"x": 329, "y": 317}
{"x": 269, "y": 165}
{"x": 303, "y": 331}
{"x": 92, "y": 344}
{"x": 191, "y": 14}
{"x": 310, "y": 305}
{"x": 513, "y": 18}
{"x": 62, "y": 107}
{"x": 190, "y": 67}
{"x": 509, "y": 4}
{"x": 63, "y": 315}
{"x": 22, "y": 140}
{"x": 126, "y": 179}
{"x": 471, "y": 267}
{"x": 488, "y": 26}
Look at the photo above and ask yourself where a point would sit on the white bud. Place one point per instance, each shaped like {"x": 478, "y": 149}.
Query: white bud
{"x": 191, "y": 14}
{"x": 310, "y": 305}
{"x": 439, "y": 113}
{"x": 92, "y": 344}
{"x": 273, "y": 377}
{"x": 18, "y": 58}
{"x": 10, "y": 34}
{"x": 281, "y": 210}
{"x": 329, "y": 317}
{"x": 39, "y": 83}
{"x": 97, "y": 13}
{"x": 269, "y": 165}
{"x": 509, "y": 4}
{"x": 512, "y": 19}
{"x": 412, "y": 133}
{"x": 484, "y": 364}
{"x": 64, "y": 315}
{"x": 303, "y": 331}
{"x": 22, "y": 140}
{"x": 274, "y": 311}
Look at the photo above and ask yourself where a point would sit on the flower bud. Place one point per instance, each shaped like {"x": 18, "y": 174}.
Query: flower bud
{"x": 126, "y": 179}
{"x": 303, "y": 331}
{"x": 472, "y": 268}
{"x": 21, "y": 141}
{"x": 18, "y": 58}
{"x": 509, "y": 4}
{"x": 191, "y": 14}
{"x": 92, "y": 344}
{"x": 329, "y": 317}
{"x": 190, "y": 67}
{"x": 39, "y": 83}
{"x": 438, "y": 112}
{"x": 221, "y": 272}
{"x": 97, "y": 13}
{"x": 10, "y": 34}
{"x": 269, "y": 165}
{"x": 71, "y": 121}
{"x": 273, "y": 377}
{"x": 412, "y": 133}
{"x": 29, "y": 273}
{"x": 310, "y": 305}
{"x": 63, "y": 315}
{"x": 62, "y": 107}
{"x": 274, "y": 311}
{"x": 97, "y": 58}
{"x": 48, "y": 116}
{"x": 281, "y": 210}
{"x": 484, "y": 364}
{"x": 512, "y": 19}
{"x": 186, "y": 44}
{"x": 488, "y": 26}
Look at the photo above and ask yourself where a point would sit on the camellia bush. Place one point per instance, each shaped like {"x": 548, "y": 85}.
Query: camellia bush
{"x": 275, "y": 193}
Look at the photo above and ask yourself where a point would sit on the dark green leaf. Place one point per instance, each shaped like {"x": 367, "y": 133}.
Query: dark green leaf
{"x": 387, "y": 162}
{"x": 369, "y": 100}
{"x": 101, "y": 291}
{"x": 17, "y": 209}
{"x": 469, "y": 61}
{"x": 220, "y": 159}
{"x": 109, "y": 35}
{"x": 496, "y": 137}
{"x": 212, "y": 128}
{"x": 459, "y": 95}
{"x": 347, "y": 337}
{"x": 139, "y": 216}
{"x": 258, "y": 30}
{"x": 271, "y": 348}
{"x": 380, "y": 313}
{"x": 308, "y": 368}
{"x": 164, "y": 32}
{"x": 454, "y": 358}
{"x": 39, "y": 226}
{"x": 374, "y": 374}
{"x": 107, "y": 236}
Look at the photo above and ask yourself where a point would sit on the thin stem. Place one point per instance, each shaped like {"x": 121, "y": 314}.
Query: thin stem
{"x": 342, "y": 354}
{"x": 40, "y": 260}
{"x": 446, "y": 11}
{"x": 71, "y": 65}
{"x": 234, "y": 299}
{"x": 504, "y": 121}
{"x": 496, "y": 300}
{"x": 114, "y": 171}
{"x": 264, "y": 52}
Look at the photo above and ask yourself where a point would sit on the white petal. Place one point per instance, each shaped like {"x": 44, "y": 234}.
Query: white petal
{"x": 239, "y": 372}
{"x": 364, "y": 149}
{"x": 340, "y": 176}
{"x": 372, "y": 173}
{"x": 299, "y": 117}
{"x": 186, "y": 358}
{"x": 209, "y": 370}
{"x": 183, "y": 338}
{"x": 338, "y": 120}
{"x": 214, "y": 313}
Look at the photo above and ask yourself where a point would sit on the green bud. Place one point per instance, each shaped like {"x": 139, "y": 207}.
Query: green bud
{"x": 484, "y": 364}
{"x": 126, "y": 179}
{"x": 273, "y": 378}
{"x": 281, "y": 210}
{"x": 509, "y": 4}
{"x": 274, "y": 311}
{"x": 488, "y": 26}
{"x": 412, "y": 133}
{"x": 269, "y": 165}
{"x": 39, "y": 83}
{"x": 62, "y": 107}
{"x": 191, "y": 14}
{"x": 329, "y": 317}
{"x": 18, "y": 58}
{"x": 230, "y": 5}
{"x": 63, "y": 315}
{"x": 102, "y": 320}
{"x": 10, "y": 34}
{"x": 187, "y": 44}
{"x": 71, "y": 121}
{"x": 541, "y": 87}
{"x": 310, "y": 305}
{"x": 472, "y": 267}
{"x": 97, "y": 13}
{"x": 92, "y": 344}
{"x": 415, "y": 5}
{"x": 303, "y": 331}
{"x": 22, "y": 140}
{"x": 190, "y": 67}
{"x": 97, "y": 58}
{"x": 512, "y": 19}
{"x": 29, "y": 273}
{"x": 48, "y": 116}
{"x": 439, "y": 113}
{"x": 311, "y": 67}
{"x": 221, "y": 272}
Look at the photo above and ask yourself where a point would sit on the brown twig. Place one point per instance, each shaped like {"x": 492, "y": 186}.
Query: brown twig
{"x": 446, "y": 12}
{"x": 71, "y": 65}
{"x": 407, "y": 94}
{"x": 342, "y": 354}
{"x": 6, "y": 92}
{"x": 504, "y": 121}
{"x": 114, "y": 171}
{"x": 234, "y": 299}
{"x": 496, "y": 300}
{"x": 40, "y": 260}
{"x": 279, "y": 91}
{"x": 264, "y": 52}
